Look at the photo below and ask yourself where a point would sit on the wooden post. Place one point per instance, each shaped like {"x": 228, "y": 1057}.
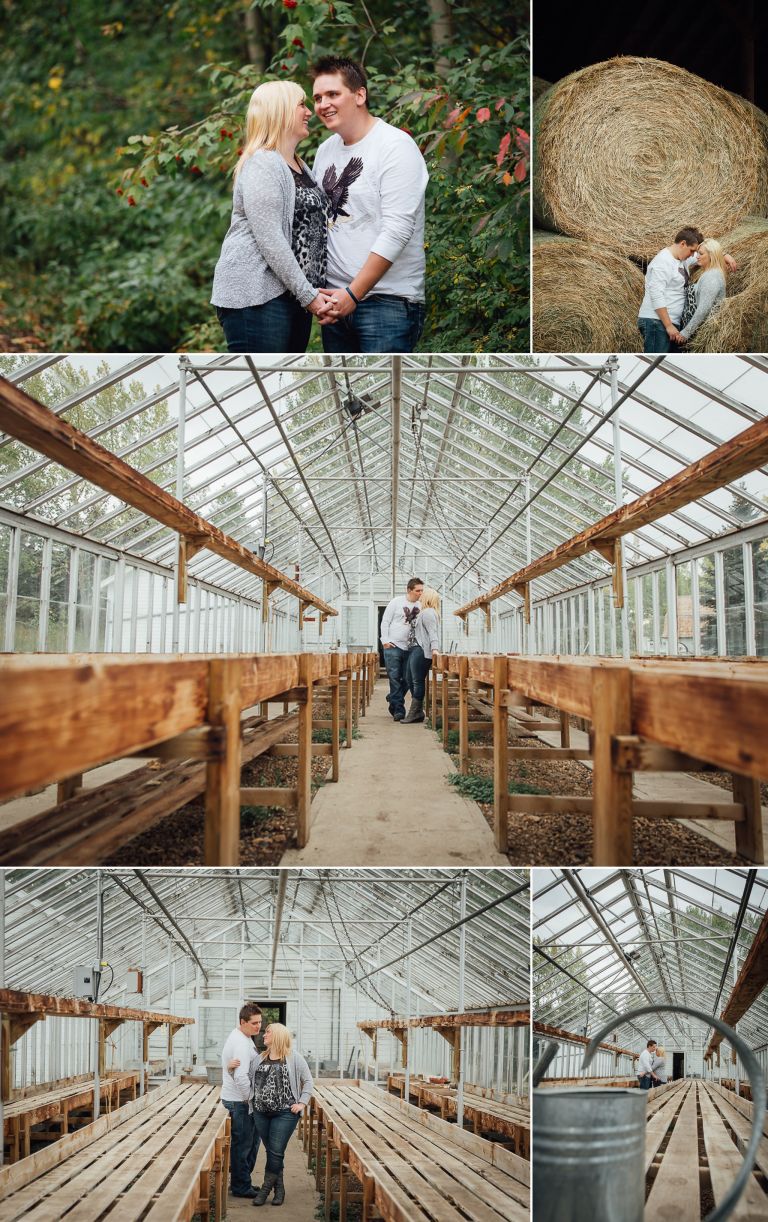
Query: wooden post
{"x": 433, "y": 701}
{"x": 335, "y": 716}
{"x": 565, "y": 730}
{"x": 500, "y": 754}
{"x": 222, "y": 788}
{"x": 444, "y": 690}
{"x": 749, "y": 834}
{"x": 68, "y": 787}
{"x": 304, "y": 760}
{"x": 348, "y": 705}
{"x": 463, "y": 716}
{"x": 611, "y": 789}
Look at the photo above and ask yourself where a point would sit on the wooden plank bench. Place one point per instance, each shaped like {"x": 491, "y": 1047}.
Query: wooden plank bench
{"x": 484, "y": 1113}
{"x": 677, "y": 1172}
{"x": 173, "y": 708}
{"x": 640, "y": 718}
{"x": 413, "y": 1167}
{"x": 152, "y": 1159}
{"x": 57, "y": 1104}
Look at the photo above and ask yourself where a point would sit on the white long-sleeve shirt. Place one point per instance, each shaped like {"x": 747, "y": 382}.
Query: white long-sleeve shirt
{"x": 237, "y": 1087}
{"x": 644, "y": 1063}
{"x": 376, "y": 188}
{"x": 665, "y": 285}
{"x": 394, "y": 629}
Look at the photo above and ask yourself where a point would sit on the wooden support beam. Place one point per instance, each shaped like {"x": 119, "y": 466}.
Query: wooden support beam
{"x": 751, "y": 981}
{"x": 38, "y": 1005}
{"x": 559, "y": 1033}
{"x": 335, "y": 717}
{"x": 745, "y": 452}
{"x": 222, "y": 789}
{"x": 500, "y": 757}
{"x": 499, "y": 1016}
{"x": 611, "y": 789}
{"x": 263, "y": 796}
{"x": 37, "y": 426}
{"x": 463, "y": 716}
{"x": 304, "y": 775}
{"x": 201, "y": 743}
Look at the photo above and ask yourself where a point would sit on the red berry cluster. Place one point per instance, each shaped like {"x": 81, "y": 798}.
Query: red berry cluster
{"x": 224, "y": 134}
{"x": 290, "y": 3}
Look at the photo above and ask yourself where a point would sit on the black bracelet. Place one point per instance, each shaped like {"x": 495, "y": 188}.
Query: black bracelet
{"x": 352, "y": 295}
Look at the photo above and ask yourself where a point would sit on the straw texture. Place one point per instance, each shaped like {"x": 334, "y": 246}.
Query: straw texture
{"x": 586, "y": 297}
{"x": 740, "y": 323}
{"x": 628, "y": 151}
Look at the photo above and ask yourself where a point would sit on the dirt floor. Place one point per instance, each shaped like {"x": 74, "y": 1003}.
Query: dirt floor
{"x": 541, "y": 840}
{"x": 265, "y": 831}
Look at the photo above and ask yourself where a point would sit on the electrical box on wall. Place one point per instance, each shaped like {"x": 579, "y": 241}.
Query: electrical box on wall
{"x": 134, "y": 980}
{"x": 85, "y": 982}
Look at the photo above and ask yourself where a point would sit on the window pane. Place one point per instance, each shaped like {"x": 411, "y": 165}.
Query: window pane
{"x": 5, "y": 547}
{"x": 661, "y": 579}
{"x": 735, "y": 622}
{"x": 28, "y": 604}
{"x": 84, "y": 606}
{"x": 684, "y": 608}
{"x": 707, "y": 605}
{"x": 649, "y": 642}
{"x": 760, "y": 579}
{"x": 57, "y": 613}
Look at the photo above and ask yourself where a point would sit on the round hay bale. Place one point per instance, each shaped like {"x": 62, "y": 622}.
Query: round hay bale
{"x": 629, "y": 151}
{"x": 740, "y": 323}
{"x": 586, "y": 297}
{"x": 539, "y": 86}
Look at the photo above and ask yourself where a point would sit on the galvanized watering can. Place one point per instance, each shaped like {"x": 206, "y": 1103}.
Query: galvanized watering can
{"x": 589, "y": 1142}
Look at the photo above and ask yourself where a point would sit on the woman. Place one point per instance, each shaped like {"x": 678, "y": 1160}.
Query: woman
{"x": 282, "y": 1089}
{"x": 274, "y": 254}
{"x": 659, "y": 1067}
{"x": 420, "y": 656}
{"x": 705, "y": 289}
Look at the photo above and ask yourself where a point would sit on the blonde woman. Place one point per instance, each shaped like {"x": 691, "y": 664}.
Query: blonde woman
{"x": 706, "y": 287}
{"x": 420, "y": 656}
{"x": 282, "y": 1087}
{"x": 272, "y": 265}
{"x": 659, "y": 1069}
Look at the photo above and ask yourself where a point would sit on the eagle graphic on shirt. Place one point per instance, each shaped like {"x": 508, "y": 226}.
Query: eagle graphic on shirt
{"x": 337, "y": 188}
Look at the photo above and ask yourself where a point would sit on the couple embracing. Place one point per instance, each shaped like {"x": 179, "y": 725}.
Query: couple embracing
{"x": 343, "y": 241}
{"x": 410, "y": 635}
{"x": 684, "y": 283}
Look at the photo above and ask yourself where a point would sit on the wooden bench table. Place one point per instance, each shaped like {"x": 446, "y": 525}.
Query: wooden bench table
{"x": 151, "y": 1159}
{"x": 413, "y": 1167}
{"x": 482, "y": 1111}
{"x": 57, "y": 1103}
{"x": 674, "y": 1171}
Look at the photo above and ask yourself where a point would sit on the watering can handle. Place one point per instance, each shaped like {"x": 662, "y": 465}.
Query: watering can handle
{"x": 752, "y": 1066}
{"x": 544, "y": 1061}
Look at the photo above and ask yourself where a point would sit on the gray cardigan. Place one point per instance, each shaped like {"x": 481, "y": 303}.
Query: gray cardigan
{"x": 428, "y": 631}
{"x": 257, "y": 263}
{"x": 710, "y": 291}
{"x": 298, "y": 1074}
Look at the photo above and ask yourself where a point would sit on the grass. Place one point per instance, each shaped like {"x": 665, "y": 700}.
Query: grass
{"x": 480, "y": 788}
{"x": 253, "y": 816}
{"x": 325, "y": 735}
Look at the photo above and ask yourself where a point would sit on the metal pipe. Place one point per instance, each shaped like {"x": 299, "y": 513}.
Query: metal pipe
{"x": 459, "y": 1035}
{"x": 397, "y": 368}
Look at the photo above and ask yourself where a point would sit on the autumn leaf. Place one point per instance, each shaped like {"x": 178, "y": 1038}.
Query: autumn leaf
{"x": 507, "y": 179}
{"x": 504, "y": 144}
{"x": 483, "y": 114}
{"x": 521, "y": 169}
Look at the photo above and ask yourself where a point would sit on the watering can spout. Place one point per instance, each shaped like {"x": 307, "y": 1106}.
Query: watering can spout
{"x": 544, "y": 1061}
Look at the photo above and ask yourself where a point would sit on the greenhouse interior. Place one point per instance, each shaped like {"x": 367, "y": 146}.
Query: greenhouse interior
{"x": 615, "y": 953}
{"x": 182, "y": 535}
{"x": 407, "y": 992}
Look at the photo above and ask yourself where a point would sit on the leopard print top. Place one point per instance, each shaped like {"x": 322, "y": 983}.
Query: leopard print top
{"x": 310, "y": 227}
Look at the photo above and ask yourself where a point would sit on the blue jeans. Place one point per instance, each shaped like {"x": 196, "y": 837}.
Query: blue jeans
{"x": 275, "y": 1132}
{"x": 654, "y": 333}
{"x": 280, "y": 325}
{"x": 416, "y": 668}
{"x": 380, "y": 323}
{"x": 245, "y": 1147}
{"x": 646, "y": 1082}
{"x": 396, "y": 661}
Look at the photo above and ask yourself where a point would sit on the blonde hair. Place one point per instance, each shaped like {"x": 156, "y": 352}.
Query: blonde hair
{"x": 281, "y": 1042}
{"x": 660, "y": 1052}
{"x": 430, "y": 599}
{"x": 716, "y": 257}
{"x": 270, "y": 113}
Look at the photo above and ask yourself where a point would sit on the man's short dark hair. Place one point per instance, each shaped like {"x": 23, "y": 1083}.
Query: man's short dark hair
{"x": 692, "y": 237}
{"x": 414, "y": 582}
{"x": 649, "y": 1043}
{"x": 352, "y": 73}
{"x": 248, "y": 1011}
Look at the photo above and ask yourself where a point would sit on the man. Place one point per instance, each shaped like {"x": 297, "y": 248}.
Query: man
{"x": 398, "y": 636}
{"x": 236, "y": 1092}
{"x": 375, "y": 178}
{"x": 645, "y": 1072}
{"x": 666, "y": 280}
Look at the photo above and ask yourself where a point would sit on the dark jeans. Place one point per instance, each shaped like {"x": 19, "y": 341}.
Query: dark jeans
{"x": 379, "y": 324}
{"x": 245, "y": 1147}
{"x": 646, "y": 1082}
{"x": 396, "y": 661}
{"x": 416, "y": 668}
{"x": 275, "y": 1132}
{"x": 280, "y": 325}
{"x": 655, "y": 338}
